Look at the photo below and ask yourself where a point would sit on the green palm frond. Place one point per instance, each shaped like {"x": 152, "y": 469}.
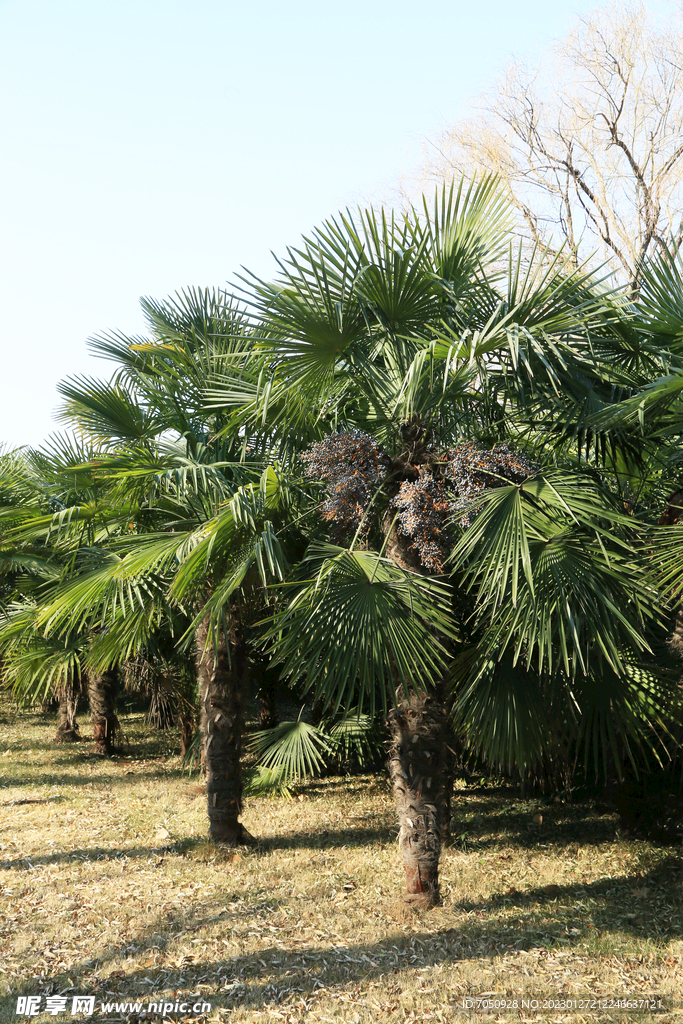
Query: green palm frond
{"x": 553, "y": 577}
{"x": 108, "y": 586}
{"x": 169, "y": 470}
{"x": 310, "y": 316}
{"x": 504, "y": 712}
{"x": 649, "y": 341}
{"x": 362, "y": 628}
{"x": 654, "y": 411}
{"x": 262, "y": 781}
{"x": 391, "y": 285}
{"x": 356, "y": 738}
{"x": 240, "y": 535}
{"x": 33, "y": 664}
{"x": 666, "y": 545}
{"x": 514, "y": 717}
{"x": 194, "y": 316}
{"x": 629, "y": 714}
{"x": 356, "y": 301}
{"x": 292, "y": 750}
{"x": 660, "y": 305}
{"x": 257, "y": 560}
{"x": 530, "y": 325}
{"x": 467, "y": 226}
{"x": 129, "y": 630}
{"x": 108, "y": 413}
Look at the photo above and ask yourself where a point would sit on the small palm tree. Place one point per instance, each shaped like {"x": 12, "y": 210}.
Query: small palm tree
{"x": 199, "y": 543}
{"x": 61, "y": 511}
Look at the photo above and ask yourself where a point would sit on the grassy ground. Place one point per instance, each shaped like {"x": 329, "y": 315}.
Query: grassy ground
{"x": 109, "y": 888}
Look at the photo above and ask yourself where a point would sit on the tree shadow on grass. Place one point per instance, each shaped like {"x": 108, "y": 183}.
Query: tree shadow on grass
{"x": 28, "y": 862}
{"x": 335, "y": 839}
{"x": 642, "y": 889}
{"x": 50, "y": 778}
{"x": 328, "y": 839}
{"x": 138, "y": 743}
{"x": 514, "y": 827}
{"x": 382, "y": 832}
{"x": 501, "y": 828}
{"x": 274, "y": 974}
{"x": 32, "y": 800}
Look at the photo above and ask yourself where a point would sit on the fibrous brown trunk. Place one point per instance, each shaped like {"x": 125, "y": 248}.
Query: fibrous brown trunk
{"x": 187, "y": 711}
{"x": 673, "y": 511}
{"x": 222, "y": 675}
{"x": 186, "y": 732}
{"x": 102, "y": 690}
{"x": 67, "y": 727}
{"x": 417, "y": 765}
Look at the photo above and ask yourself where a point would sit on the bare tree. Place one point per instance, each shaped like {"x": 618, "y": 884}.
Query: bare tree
{"x": 590, "y": 143}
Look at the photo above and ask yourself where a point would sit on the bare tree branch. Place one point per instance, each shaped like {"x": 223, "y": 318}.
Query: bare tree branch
{"x": 590, "y": 143}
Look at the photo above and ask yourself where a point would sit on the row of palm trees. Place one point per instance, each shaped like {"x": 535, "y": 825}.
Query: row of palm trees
{"x": 419, "y": 476}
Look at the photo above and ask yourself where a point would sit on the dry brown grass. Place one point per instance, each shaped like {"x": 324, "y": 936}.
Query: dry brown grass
{"x": 110, "y": 888}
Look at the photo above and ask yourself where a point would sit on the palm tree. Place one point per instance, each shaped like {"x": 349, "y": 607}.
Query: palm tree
{"x": 200, "y": 505}
{"x": 69, "y": 514}
{"x": 444, "y": 406}
{"x": 34, "y": 555}
{"x": 650, "y": 413}
{"x": 455, "y": 395}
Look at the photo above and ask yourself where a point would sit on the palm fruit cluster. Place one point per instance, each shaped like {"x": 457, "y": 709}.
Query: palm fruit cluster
{"x": 424, "y": 510}
{"x": 474, "y": 469}
{"x": 352, "y": 463}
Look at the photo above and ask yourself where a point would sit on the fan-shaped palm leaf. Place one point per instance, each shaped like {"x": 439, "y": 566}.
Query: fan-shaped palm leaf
{"x": 292, "y": 750}
{"x": 362, "y": 628}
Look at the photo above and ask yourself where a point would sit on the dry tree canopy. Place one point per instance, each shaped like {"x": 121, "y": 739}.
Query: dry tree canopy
{"x": 590, "y": 142}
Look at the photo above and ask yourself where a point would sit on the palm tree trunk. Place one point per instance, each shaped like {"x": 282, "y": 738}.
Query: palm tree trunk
{"x": 187, "y": 705}
{"x": 102, "y": 690}
{"x": 419, "y": 769}
{"x": 222, "y": 675}
{"x": 417, "y": 766}
{"x": 186, "y": 733}
{"x": 67, "y": 727}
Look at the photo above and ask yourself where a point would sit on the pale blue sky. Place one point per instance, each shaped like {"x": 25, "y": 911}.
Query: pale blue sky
{"x": 153, "y": 144}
